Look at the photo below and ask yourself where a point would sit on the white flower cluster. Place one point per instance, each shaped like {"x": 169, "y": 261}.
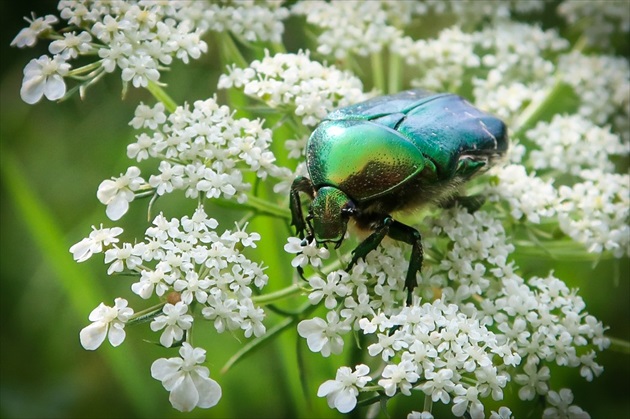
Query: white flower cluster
{"x": 375, "y": 284}
{"x": 528, "y": 196}
{"x": 139, "y": 38}
{"x": 358, "y": 27}
{"x": 477, "y": 258}
{"x": 596, "y": 211}
{"x": 570, "y": 143}
{"x": 186, "y": 262}
{"x": 471, "y": 12}
{"x": 447, "y": 348}
{"x": 544, "y": 322}
{"x": 252, "y": 20}
{"x": 192, "y": 259}
{"x": 203, "y": 151}
{"x": 602, "y": 99}
{"x": 442, "y": 61}
{"x": 508, "y": 63}
{"x": 435, "y": 348}
{"x": 367, "y": 27}
{"x": 295, "y": 83}
{"x": 603, "y": 19}
{"x": 518, "y": 63}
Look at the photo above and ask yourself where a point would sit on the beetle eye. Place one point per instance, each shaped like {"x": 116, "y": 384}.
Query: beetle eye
{"x": 349, "y": 209}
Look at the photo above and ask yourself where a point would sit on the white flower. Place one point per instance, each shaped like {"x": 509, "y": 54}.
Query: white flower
{"x": 534, "y": 381}
{"x": 44, "y": 77}
{"x": 503, "y": 413}
{"x": 308, "y": 253}
{"x": 171, "y": 177}
{"x": 193, "y": 288}
{"x": 28, "y": 36}
{"x": 188, "y": 382}
{"x": 174, "y": 322}
{"x": 400, "y": 376}
{"x": 324, "y": 335}
{"x": 98, "y": 238}
{"x": 71, "y": 45}
{"x": 467, "y": 399}
{"x": 419, "y": 415}
{"x": 341, "y": 393}
{"x": 117, "y": 193}
{"x": 438, "y": 385}
{"x": 107, "y": 322}
{"x": 331, "y": 289}
{"x": 156, "y": 280}
{"x": 561, "y": 406}
{"x": 148, "y": 117}
{"x": 140, "y": 70}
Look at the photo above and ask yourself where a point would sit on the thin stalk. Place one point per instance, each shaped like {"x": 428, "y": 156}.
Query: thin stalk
{"x": 536, "y": 109}
{"x": 394, "y": 76}
{"x": 161, "y": 95}
{"x": 619, "y": 345}
{"x": 378, "y": 73}
{"x": 272, "y": 297}
{"x": 230, "y": 52}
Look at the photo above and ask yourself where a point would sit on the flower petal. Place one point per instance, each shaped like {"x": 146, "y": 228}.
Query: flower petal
{"x": 92, "y": 336}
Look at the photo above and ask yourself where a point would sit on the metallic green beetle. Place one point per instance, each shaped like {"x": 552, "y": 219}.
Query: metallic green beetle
{"x": 391, "y": 153}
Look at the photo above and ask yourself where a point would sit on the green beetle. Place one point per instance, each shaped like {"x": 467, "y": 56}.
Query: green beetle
{"x": 391, "y": 153}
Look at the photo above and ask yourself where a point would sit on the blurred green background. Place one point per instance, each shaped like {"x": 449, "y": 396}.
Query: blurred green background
{"x": 53, "y": 158}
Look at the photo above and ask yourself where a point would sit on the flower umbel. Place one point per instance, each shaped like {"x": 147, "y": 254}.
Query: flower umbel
{"x": 498, "y": 262}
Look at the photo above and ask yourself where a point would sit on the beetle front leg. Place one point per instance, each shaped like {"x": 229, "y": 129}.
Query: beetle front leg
{"x": 402, "y": 232}
{"x": 372, "y": 242}
{"x": 300, "y": 184}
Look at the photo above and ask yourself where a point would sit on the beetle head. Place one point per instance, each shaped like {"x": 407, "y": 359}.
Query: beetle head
{"x": 330, "y": 211}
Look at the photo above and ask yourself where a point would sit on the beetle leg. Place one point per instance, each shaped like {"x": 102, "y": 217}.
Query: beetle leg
{"x": 373, "y": 240}
{"x": 402, "y": 232}
{"x": 300, "y": 184}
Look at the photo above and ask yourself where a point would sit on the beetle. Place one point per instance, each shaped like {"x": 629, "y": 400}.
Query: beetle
{"x": 388, "y": 154}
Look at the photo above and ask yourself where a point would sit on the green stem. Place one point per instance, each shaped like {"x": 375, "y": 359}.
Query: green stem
{"x": 86, "y": 68}
{"x": 394, "y": 79}
{"x": 377, "y": 71}
{"x": 230, "y": 52}
{"x": 161, "y": 95}
{"x": 428, "y": 403}
{"x": 259, "y": 205}
{"x": 146, "y": 314}
{"x": 619, "y": 345}
{"x": 559, "y": 250}
{"x": 536, "y": 109}
{"x": 272, "y": 297}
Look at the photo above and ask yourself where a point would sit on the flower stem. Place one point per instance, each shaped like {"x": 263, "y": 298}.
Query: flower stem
{"x": 377, "y": 71}
{"x": 161, "y": 95}
{"x": 537, "y": 109}
{"x": 619, "y": 345}
{"x": 259, "y": 205}
{"x": 278, "y": 295}
{"x": 394, "y": 82}
{"x": 230, "y": 52}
